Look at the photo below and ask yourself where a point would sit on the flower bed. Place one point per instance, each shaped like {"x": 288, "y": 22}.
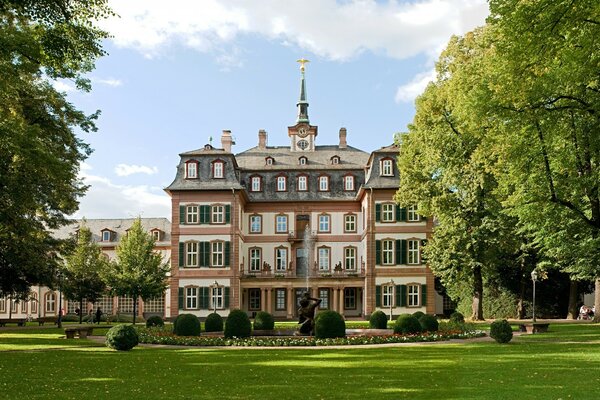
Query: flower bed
{"x": 157, "y": 336}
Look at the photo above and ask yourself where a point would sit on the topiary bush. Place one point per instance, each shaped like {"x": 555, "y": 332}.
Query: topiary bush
{"x": 155, "y": 320}
{"x": 457, "y": 317}
{"x": 429, "y": 323}
{"x": 501, "y": 331}
{"x": 213, "y": 323}
{"x": 122, "y": 337}
{"x": 378, "y": 320}
{"x": 237, "y": 325}
{"x": 330, "y": 324}
{"x": 186, "y": 325}
{"x": 418, "y": 314}
{"x": 407, "y": 324}
{"x": 264, "y": 321}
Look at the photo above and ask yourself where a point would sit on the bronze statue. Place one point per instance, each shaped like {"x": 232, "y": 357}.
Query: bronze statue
{"x": 306, "y": 314}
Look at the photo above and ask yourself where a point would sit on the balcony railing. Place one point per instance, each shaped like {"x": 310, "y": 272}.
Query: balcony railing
{"x": 336, "y": 272}
{"x": 300, "y": 235}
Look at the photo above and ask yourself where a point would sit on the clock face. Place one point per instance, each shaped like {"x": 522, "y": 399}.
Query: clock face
{"x": 302, "y": 132}
{"x": 303, "y": 144}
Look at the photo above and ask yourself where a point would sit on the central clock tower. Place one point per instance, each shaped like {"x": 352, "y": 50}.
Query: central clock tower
{"x": 302, "y": 134}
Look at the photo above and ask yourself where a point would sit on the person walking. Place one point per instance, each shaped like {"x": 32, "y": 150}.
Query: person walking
{"x": 98, "y": 315}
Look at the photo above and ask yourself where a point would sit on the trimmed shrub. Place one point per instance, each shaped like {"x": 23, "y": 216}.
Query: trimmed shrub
{"x": 457, "y": 317}
{"x": 213, "y": 323}
{"x": 330, "y": 324}
{"x": 407, "y": 324}
{"x": 418, "y": 314}
{"x": 378, "y": 320}
{"x": 501, "y": 331}
{"x": 122, "y": 337}
{"x": 429, "y": 323}
{"x": 237, "y": 325}
{"x": 264, "y": 321}
{"x": 155, "y": 320}
{"x": 186, "y": 325}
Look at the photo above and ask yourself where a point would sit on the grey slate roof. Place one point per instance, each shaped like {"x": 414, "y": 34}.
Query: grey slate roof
{"x": 374, "y": 179}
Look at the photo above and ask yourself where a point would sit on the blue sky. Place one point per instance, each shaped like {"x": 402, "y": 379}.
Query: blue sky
{"x": 179, "y": 72}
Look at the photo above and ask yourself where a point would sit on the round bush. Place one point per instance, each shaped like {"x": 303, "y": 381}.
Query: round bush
{"x": 407, "y": 324}
{"x": 378, "y": 320}
{"x": 329, "y": 324}
{"x": 122, "y": 337}
{"x": 457, "y": 317}
{"x": 186, "y": 325}
{"x": 155, "y": 320}
{"x": 418, "y": 314}
{"x": 429, "y": 323}
{"x": 237, "y": 325}
{"x": 264, "y": 321}
{"x": 501, "y": 331}
{"x": 213, "y": 323}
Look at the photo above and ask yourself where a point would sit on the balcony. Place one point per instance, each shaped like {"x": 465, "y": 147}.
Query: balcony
{"x": 314, "y": 273}
{"x": 298, "y": 236}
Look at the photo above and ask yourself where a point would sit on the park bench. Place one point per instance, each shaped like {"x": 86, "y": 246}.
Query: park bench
{"x": 18, "y": 321}
{"x": 81, "y": 331}
{"x": 42, "y": 320}
{"x": 536, "y": 327}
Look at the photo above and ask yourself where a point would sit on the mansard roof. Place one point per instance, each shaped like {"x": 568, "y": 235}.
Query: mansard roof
{"x": 374, "y": 179}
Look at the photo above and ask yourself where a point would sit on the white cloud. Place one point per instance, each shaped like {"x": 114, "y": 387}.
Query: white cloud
{"x": 126, "y": 170}
{"x": 408, "y": 92}
{"x": 331, "y": 29}
{"x": 109, "y": 82}
{"x": 62, "y": 86}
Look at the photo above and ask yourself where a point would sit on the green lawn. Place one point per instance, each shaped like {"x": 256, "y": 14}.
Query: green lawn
{"x": 561, "y": 364}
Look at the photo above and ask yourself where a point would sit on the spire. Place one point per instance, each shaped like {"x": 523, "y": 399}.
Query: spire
{"x": 302, "y": 103}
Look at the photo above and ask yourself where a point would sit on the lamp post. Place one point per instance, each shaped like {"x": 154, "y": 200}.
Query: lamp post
{"x": 59, "y": 319}
{"x": 391, "y": 292}
{"x": 214, "y": 297}
{"x": 534, "y": 276}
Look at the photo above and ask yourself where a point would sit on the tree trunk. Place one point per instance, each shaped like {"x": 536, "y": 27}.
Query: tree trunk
{"x": 477, "y": 295}
{"x": 521, "y": 302}
{"x": 573, "y": 299}
{"x": 134, "y": 308}
{"x": 80, "y": 311}
{"x": 597, "y": 300}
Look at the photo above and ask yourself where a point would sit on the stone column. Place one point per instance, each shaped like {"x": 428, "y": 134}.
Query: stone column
{"x": 270, "y": 300}
{"x": 290, "y": 303}
{"x": 334, "y": 303}
{"x": 341, "y": 299}
{"x": 263, "y": 299}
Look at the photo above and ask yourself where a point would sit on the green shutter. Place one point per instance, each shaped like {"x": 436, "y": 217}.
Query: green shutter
{"x": 401, "y": 295}
{"x": 422, "y": 254}
{"x": 378, "y": 252}
{"x": 403, "y": 251}
{"x": 398, "y": 213}
{"x": 203, "y": 294}
{"x": 398, "y": 252}
{"x": 402, "y": 214}
{"x": 226, "y": 297}
{"x": 182, "y": 214}
{"x": 227, "y": 255}
{"x": 204, "y": 214}
{"x": 377, "y": 296}
{"x": 377, "y": 212}
{"x": 204, "y": 258}
{"x": 181, "y": 253}
{"x": 227, "y": 214}
{"x": 423, "y": 295}
{"x": 181, "y": 299}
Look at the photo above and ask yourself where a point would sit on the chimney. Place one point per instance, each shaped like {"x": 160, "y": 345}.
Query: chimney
{"x": 262, "y": 139}
{"x": 227, "y": 141}
{"x": 343, "y": 143}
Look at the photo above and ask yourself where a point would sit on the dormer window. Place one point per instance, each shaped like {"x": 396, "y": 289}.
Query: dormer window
{"x": 156, "y": 235}
{"x": 208, "y": 147}
{"x": 335, "y": 160}
{"x": 255, "y": 184}
{"x": 348, "y": 182}
{"x": 191, "y": 169}
{"x": 281, "y": 184}
{"x": 218, "y": 169}
{"x": 107, "y": 235}
{"x": 302, "y": 161}
{"x": 387, "y": 168}
{"x": 323, "y": 183}
{"x": 269, "y": 160}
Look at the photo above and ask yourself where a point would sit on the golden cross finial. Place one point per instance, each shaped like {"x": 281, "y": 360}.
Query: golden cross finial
{"x": 302, "y": 61}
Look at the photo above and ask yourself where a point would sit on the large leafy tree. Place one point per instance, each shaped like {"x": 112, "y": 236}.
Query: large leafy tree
{"x": 40, "y": 154}
{"x": 82, "y": 278}
{"x": 139, "y": 271}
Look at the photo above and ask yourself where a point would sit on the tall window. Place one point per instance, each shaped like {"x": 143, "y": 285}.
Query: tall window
{"x": 125, "y": 304}
{"x": 324, "y": 220}
{"x": 191, "y": 254}
{"x": 14, "y": 306}
{"x": 106, "y": 304}
{"x": 280, "y": 299}
{"x": 217, "y": 254}
{"x": 191, "y": 298}
{"x": 191, "y": 214}
{"x": 255, "y": 259}
{"x": 191, "y": 170}
{"x": 281, "y": 184}
{"x": 324, "y": 296}
{"x": 387, "y": 168}
{"x": 387, "y": 212}
{"x": 413, "y": 251}
{"x": 106, "y": 236}
{"x": 217, "y": 297}
{"x": 218, "y": 169}
{"x": 411, "y": 213}
{"x": 280, "y": 259}
{"x": 387, "y": 296}
{"x": 348, "y": 182}
{"x": 302, "y": 184}
{"x": 218, "y": 214}
{"x": 350, "y": 258}
{"x": 33, "y": 298}
{"x": 24, "y": 307}
{"x": 50, "y": 302}
{"x": 413, "y": 295}
{"x": 302, "y": 160}
{"x": 156, "y": 235}
{"x": 350, "y": 223}
{"x": 323, "y": 256}
{"x": 156, "y": 305}
{"x": 387, "y": 252}
{"x": 323, "y": 183}
{"x": 253, "y": 299}
{"x": 281, "y": 224}
{"x": 2, "y": 304}
{"x": 255, "y": 184}
{"x": 350, "y": 298}
{"x": 255, "y": 224}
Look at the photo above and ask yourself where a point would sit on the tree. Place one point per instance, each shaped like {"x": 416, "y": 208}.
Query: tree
{"x": 139, "y": 271}
{"x": 83, "y": 271}
{"x": 40, "y": 154}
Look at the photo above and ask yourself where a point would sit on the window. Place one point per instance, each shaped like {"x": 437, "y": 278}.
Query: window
{"x": 106, "y": 304}
{"x": 323, "y": 257}
{"x": 302, "y": 161}
{"x": 217, "y": 298}
{"x": 125, "y": 304}
{"x": 191, "y": 170}
{"x": 156, "y": 234}
{"x": 280, "y": 259}
{"x": 387, "y": 212}
{"x": 191, "y": 298}
{"x": 50, "y": 303}
{"x": 350, "y": 298}
{"x": 269, "y": 160}
{"x": 302, "y": 184}
{"x": 218, "y": 169}
{"x": 255, "y": 224}
{"x": 253, "y": 299}
{"x": 191, "y": 214}
{"x": 106, "y": 236}
{"x": 387, "y": 296}
{"x": 302, "y": 144}
{"x": 324, "y": 223}
{"x": 218, "y": 214}
{"x": 413, "y": 252}
{"x": 14, "y": 306}
{"x": 280, "y": 299}
{"x": 349, "y": 223}
{"x": 324, "y": 296}
{"x": 387, "y": 167}
{"x": 255, "y": 259}
{"x": 217, "y": 254}
{"x": 191, "y": 254}
{"x": 348, "y": 182}
{"x": 281, "y": 224}
{"x": 413, "y": 295}
{"x": 335, "y": 160}
{"x": 34, "y": 303}
{"x": 155, "y": 305}
{"x": 255, "y": 184}
{"x": 412, "y": 214}
{"x": 323, "y": 183}
{"x": 2, "y": 304}
{"x": 23, "y": 307}
{"x": 350, "y": 258}
{"x": 387, "y": 252}
{"x": 281, "y": 184}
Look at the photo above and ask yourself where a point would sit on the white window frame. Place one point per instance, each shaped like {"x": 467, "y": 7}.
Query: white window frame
{"x": 350, "y": 223}
{"x": 217, "y": 254}
{"x": 302, "y": 183}
{"x": 413, "y": 292}
{"x": 324, "y": 296}
{"x": 387, "y": 168}
{"x": 218, "y": 214}
{"x": 106, "y": 236}
{"x": 323, "y": 183}
{"x": 350, "y": 258}
{"x": 191, "y": 298}
{"x": 33, "y": 298}
{"x": 2, "y": 304}
{"x": 411, "y": 214}
{"x": 255, "y": 259}
{"x": 387, "y": 296}
{"x": 302, "y": 161}
{"x": 412, "y": 255}
{"x": 218, "y": 169}
{"x": 280, "y": 299}
{"x": 388, "y": 211}
{"x": 50, "y": 300}
{"x": 323, "y": 256}
{"x": 191, "y": 170}
{"x": 217, "y": 298}
{"x": 191, "y": 214}
{"x": 192, "y": 252}
{"x": 255, "y": 223}
{"x": 14, "y": 306}
{"x": 281, "y": 224}
{"x": 349, "y": 182}
{"x": 156, "y": 235}
{"x": 255, "y": 184}
{"x": 281, "y": 184}
{"x": 324, "y": 223}
{"x": 281, "y": 257}
{"x": 387, "y": 252}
